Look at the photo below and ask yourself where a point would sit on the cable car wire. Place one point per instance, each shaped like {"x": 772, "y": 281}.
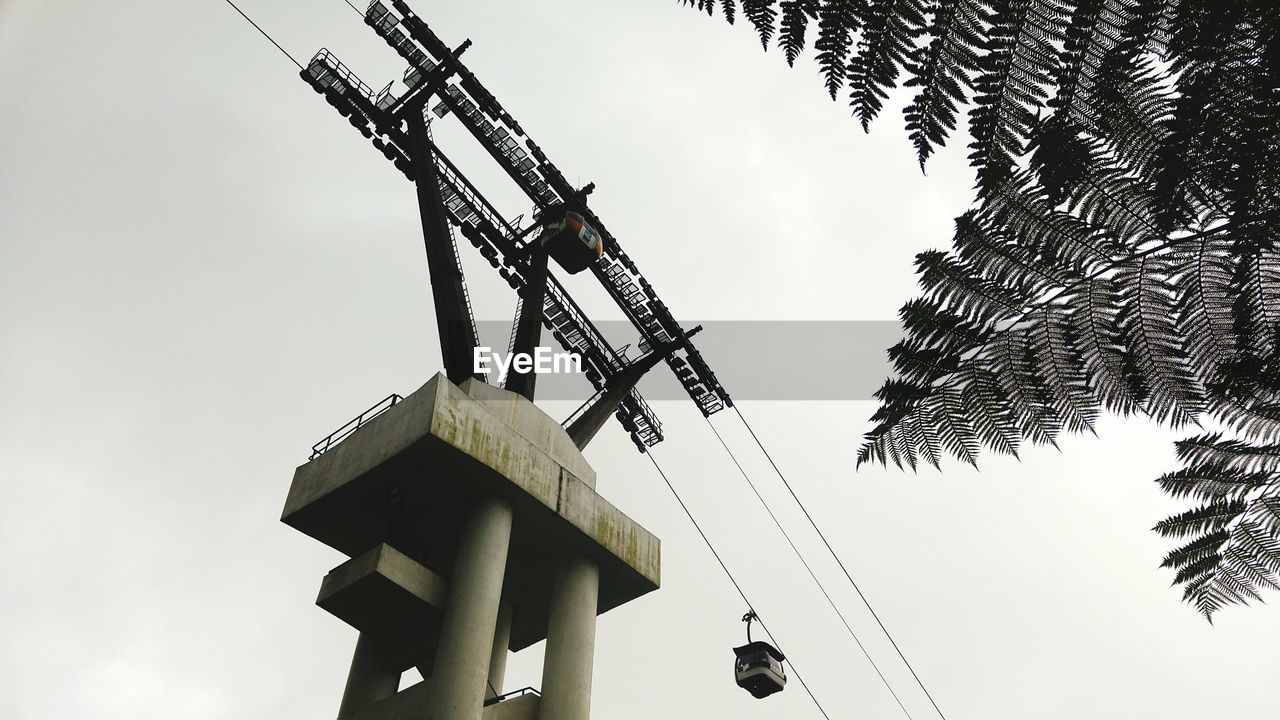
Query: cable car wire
{"x": 805, "y": 563}
{"x": 733, "y": 580}
{"x": 839, "y": 562}
{"x": 264, "y": 34}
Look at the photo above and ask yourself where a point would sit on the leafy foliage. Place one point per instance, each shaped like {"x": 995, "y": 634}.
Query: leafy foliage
{"x": 1121, "y": 252}
{"x": 888, "y": 36}
{"x": 943, "y": 70}
{"x": 838, "y": 20}
{"x": 1234, "y": 545}
{"x": 796, "y": 15}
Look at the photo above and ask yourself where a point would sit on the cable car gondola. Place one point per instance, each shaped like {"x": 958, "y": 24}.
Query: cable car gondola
{"x": 572, "y": 242}
{"x": 758, "y": 667}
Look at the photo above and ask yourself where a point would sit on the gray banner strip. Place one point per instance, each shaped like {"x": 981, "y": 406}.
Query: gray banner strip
{"x": 803, "y": 360}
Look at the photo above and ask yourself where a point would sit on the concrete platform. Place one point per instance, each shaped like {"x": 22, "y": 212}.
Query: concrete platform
{"x": 416, "y": 469}
{"x": 389, "y": 596}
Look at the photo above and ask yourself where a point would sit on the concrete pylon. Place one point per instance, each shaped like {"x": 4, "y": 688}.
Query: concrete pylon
{"x": 498, "y": 656}
{"x": 504, "y": 542}
{"x": 471, "y": 614}
{"x": 571, "y": 641}
{"x": 372, "y": 677}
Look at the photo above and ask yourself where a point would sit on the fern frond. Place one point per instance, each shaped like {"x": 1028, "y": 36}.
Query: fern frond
{"x": 1060, "y": 363}
{"x": 954, "y": 426}
{"x": 796, "y": 15}
{"x": 1210, "y": 517}
{"x": 707, "y": 6}
{"x": 1260, "y": 542}
{"x": 1015, "y": 73}
{"x": 888, "y": 36}
{"x": 900, "y": 402}
{"x": 1107, "y": 361}
{"x": 1203, "y": 547}
{"x": 1256, "y": 310}
{"x": 933, "y": 325}
{"x": 941, "y": 69}
{"x": 762, "y": 15}
{"x": 1204, "y": 303}
{"x": 1149, "y": 325}
{"x": 1196, "y": 573}
{"x": 1003, "y": 259}
{"x": 1208, "y": 482}
{"x": 1132, "y": 104}
{"x": 1075, "y": 167}
{"x": 1095, "y": 29}
{"x": 837, "y": 22}
{"x": 992, "y": 416}
{"x": 1013, "y": 361}
{"x": 949, "y": 281}
{"x": 1229, "y": 454}
{"x": 1121, "y": 253}
{"x": 1251, "y": 569}
{"x": 915, "y": 361}
{"x": 1257, "y": 421}
{"x": 1057, "y": 238}
{"x": 924, "y": 441}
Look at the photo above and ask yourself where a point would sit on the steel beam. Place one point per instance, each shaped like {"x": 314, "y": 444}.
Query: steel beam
{"x": 529, "y": 324}
{"x": 587, "y": 424}
{"x": 454, "y": 324}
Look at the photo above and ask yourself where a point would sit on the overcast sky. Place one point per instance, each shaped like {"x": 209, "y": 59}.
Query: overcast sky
{"x": 204, "y": 270}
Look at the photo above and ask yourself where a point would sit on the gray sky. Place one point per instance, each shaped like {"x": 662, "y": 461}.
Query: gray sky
{"x": 204, "y": 269}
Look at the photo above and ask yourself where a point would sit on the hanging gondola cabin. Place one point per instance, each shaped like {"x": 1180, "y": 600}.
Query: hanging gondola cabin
{"x": 573, "y": 243}
{"x": 758, "y": 669}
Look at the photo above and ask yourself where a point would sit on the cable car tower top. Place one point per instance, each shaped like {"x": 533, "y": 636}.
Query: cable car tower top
{"x": 396, "y": 123}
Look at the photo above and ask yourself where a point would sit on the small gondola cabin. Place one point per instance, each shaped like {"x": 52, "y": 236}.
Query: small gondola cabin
{"x": 758, "y": 669}
{"x": 573, "y": 243}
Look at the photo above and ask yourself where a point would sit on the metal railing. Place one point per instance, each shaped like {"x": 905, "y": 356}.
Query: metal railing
{"x": 353, "y": 425}
{"x": 513, "y": 694}
{"x": 515, "y": 326}
{"x": 343, "y": 72}
{"x": 582, "y": 409}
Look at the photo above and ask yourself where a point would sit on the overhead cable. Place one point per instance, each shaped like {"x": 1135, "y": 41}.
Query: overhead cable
{"x": 805, "y": 563}
{"x": 264, "y": 33}
{"x": 839, "y": 562}
{"x": 733, "y": 580}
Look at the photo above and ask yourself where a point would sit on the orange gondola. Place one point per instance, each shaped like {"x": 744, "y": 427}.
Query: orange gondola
{"x": 573, "y": 243}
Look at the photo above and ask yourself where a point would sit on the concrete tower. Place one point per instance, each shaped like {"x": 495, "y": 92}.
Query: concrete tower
{"x": 474, "y": 528}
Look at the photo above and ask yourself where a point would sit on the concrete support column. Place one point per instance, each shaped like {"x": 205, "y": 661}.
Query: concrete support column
{"x": 370, "y": 679}
{"x": 471, "y": 613}
{"x": 498, "y": 658}
{"x": 571, "y": 641}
